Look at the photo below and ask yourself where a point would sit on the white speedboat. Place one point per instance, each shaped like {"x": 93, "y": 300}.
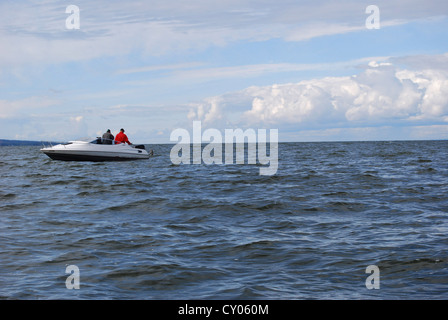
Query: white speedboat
{"x": 95, "y": 150}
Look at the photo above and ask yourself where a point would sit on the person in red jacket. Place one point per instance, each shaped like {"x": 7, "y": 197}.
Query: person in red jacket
{"x": 121, "y": 138}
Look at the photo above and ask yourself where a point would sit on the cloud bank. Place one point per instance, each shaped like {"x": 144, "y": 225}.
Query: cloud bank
{"x": 382, "y": 94}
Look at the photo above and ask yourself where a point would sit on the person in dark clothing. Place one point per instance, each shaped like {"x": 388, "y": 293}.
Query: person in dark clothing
{"x": 108, "y": 137}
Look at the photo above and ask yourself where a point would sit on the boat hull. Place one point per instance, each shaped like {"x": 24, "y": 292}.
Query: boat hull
{"x": 89, "y": 157}
{"x": 81, "y": 151}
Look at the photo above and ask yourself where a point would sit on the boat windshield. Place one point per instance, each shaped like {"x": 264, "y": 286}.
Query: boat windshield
{"x": 100, "y": 140}
{"x": 96, "y": 141}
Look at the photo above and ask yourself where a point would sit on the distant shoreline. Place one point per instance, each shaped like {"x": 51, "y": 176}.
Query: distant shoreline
{"x": 10, "y": 143}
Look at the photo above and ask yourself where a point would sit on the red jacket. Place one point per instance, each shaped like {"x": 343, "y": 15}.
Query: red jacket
{"x": 121, "y": 138}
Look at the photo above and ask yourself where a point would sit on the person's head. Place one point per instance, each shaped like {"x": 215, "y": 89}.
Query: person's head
{"x": 108, "y": 130}
{"x": 122, "y": 130}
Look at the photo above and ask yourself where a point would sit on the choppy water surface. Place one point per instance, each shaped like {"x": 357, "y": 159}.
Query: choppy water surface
{"x": 153, "y": 230}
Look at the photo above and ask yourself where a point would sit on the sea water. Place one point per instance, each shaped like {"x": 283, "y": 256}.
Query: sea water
{"x": 149, "y": 229}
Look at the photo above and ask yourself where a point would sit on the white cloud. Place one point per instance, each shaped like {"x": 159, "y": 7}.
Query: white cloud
{"x": 200, "y": 72}
{"x": 381, "y": 94}
{"x": 171, "y": 67}
{"x": 34, "y": 31}
{"x": 76, "y": 119}
{"x": 34, "y": 104}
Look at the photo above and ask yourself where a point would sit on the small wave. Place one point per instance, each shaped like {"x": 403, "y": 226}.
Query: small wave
{"x": 426, "y": 170}
{"x": 8, "y": 196}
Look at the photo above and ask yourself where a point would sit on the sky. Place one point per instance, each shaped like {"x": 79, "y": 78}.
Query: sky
{"x": 314, "y": 70}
